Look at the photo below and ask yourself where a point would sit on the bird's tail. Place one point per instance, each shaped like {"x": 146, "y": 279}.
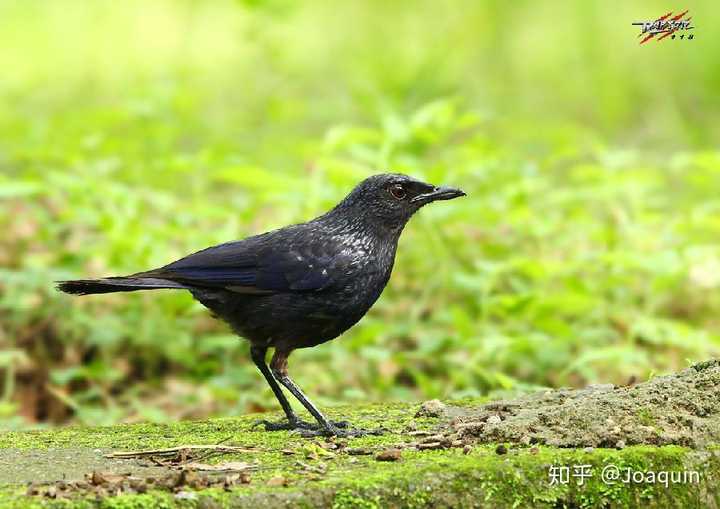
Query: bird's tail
{"x": 115, "y": 284}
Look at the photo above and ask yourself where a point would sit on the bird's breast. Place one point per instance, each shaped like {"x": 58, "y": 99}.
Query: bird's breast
{"x": 358, "y": 271}
{"x": 367, "y": 273}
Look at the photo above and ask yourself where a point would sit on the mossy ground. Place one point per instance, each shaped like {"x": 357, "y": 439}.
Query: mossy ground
{"x": 438, "y": 478}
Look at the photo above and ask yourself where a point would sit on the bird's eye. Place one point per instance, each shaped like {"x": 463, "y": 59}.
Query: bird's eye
{"x": 398, "y": 192}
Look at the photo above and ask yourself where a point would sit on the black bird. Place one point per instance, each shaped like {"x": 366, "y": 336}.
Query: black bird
{"x": 298, "y": 286}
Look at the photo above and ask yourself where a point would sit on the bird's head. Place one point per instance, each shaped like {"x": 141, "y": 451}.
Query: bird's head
{"x": 390, "y": 199}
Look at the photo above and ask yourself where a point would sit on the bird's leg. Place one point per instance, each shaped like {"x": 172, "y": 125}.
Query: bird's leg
{"x": 278, "y": 367}
{"x": 258, "y": 357}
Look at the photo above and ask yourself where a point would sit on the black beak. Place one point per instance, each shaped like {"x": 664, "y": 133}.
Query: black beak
{"x": 439, "y": 193}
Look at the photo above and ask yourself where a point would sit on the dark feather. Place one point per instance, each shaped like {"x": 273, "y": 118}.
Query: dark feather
{"x": 115, "y": 284}
{"x": 255, "y": 265}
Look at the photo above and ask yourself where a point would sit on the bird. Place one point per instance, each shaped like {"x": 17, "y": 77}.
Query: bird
{"x": 298, "y": 286}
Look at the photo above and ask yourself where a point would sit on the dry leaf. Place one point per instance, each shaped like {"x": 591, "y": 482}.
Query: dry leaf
{"x": 230, "y": 466}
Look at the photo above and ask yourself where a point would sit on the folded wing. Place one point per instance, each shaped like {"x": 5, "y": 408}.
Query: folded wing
{"x": 259, "y": 265}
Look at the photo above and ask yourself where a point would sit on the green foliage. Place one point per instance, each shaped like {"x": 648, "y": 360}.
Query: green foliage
{"x": 134, "y": 133}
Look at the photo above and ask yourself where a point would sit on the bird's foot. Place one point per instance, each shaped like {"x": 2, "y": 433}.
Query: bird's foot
{"x": 280, "y": 426}
{"x": 307, "y": 429}
{"x": 298, "y": 425}
{"x": 344, "y": 431}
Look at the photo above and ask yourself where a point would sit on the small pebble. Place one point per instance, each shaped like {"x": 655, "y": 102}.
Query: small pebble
{"x": 185, "y": 495}
{"x": 278, "y": 480}
{"x": 389, "y": 455}
{"x": 432, "y": 408}
{"x": 138, "y": 485}
{"x": 494, "y": 419}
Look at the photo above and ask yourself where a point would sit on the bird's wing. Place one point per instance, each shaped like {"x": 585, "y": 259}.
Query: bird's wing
{"x": 263, "y": 264}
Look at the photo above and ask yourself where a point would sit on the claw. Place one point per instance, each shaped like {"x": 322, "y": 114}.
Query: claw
{"x": 276, "y": 426}
{"x": 258, "y": 423}
{"x": 340, "y": 432}
{"x": 307, "y": 430}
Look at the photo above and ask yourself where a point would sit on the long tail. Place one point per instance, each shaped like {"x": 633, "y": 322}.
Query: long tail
{"x": 115, "y": 284}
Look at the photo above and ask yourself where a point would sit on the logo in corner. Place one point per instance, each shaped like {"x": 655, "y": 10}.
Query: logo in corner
{"x": 666, "y": 26}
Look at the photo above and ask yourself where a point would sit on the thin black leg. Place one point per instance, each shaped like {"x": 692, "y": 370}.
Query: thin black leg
{"x": 278, "y": 367}
{"x": 258, "y": 357}
{"x": 284, "y": 379}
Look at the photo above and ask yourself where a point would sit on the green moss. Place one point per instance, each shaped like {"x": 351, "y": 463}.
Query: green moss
{"x": 435, "y": 478}
{"x": 238, "y": 430}
{"x": 646, "y": 417}
{"x": 448, "y": 478}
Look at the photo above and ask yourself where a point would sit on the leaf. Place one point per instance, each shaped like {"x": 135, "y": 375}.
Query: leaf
{"x": 229, "y": 466}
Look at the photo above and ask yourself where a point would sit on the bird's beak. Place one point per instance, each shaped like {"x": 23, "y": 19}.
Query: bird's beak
{"x": 438, "y": 193}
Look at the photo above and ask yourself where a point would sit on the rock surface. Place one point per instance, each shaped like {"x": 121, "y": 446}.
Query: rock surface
{"x": 681, "y": 409}
{"x": 452, "y": 454}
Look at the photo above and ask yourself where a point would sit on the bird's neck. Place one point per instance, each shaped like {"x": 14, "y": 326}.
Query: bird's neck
{"x": 363, "y": 224}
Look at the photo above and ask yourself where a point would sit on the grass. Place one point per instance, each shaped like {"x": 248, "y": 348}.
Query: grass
{"x": 130, "y": 135}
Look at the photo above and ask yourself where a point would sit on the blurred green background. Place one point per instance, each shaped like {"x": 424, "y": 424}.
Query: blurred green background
{"x": 132, "y": 133}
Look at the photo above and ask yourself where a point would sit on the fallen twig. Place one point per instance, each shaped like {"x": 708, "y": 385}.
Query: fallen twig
{"x": 180, "y": 450}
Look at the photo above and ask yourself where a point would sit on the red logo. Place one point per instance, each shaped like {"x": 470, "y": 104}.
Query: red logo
{"x": 666, "y": 26}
